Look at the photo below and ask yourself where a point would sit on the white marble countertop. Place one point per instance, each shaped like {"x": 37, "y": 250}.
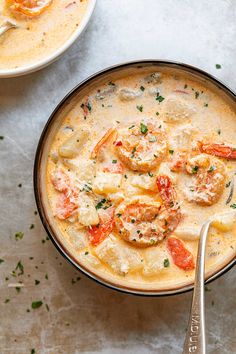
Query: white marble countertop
{"x": 85, "y": 317}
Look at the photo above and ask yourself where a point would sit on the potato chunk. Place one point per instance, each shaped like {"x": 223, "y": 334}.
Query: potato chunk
{"x": 87, "y": 212}
{"x": 78, "y": 238}
{"x": 111, "y": 253}
{"x": 88, "y": 257}
{"x": 145, "y": 182}
{"x": 156, "y": 261}
{"x": 225, "y": 221}
{"x": 107, "y": 182}
{"x": 84, "y": 169}
{"x": 177, "y": 110}
{"x": 72, "y": 146}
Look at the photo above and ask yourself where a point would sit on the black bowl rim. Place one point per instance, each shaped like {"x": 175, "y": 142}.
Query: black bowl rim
{"x": 39, "y": 149}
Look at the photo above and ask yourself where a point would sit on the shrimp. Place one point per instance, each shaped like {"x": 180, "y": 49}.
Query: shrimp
{"x": 181, "y": 256}
{"x": 141, "y": 147}
{"x": 31, "y": 8}
{"x": 208, "y": 179}
{"x": 147, "y": 223}
{"x": 219, "y": 150}
{"x": 66, "y": 200}
{"x": 102, "y": 142}
{"x": 99, "y": 232}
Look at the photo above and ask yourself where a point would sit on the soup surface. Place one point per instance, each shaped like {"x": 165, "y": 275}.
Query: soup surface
{"x": 42, "y": 28}
{"x": 135, "y": 168}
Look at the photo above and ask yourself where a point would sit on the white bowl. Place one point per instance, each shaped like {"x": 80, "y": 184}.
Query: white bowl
{"x": 27, "y": 69}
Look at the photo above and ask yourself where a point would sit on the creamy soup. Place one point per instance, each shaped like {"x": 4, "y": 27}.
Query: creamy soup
{"x": 135, "y": 168}
{"x": 43, "y": 27}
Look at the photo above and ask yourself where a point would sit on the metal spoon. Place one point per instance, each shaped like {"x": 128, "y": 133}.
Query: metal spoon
{"x": 7, "y": 25}
{"x": 195, "y": 341}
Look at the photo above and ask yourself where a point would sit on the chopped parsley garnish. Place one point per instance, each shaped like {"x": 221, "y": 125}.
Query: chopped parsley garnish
{"x": 196, "y": 94}
{"x": 157, "y": 113}
{"x": 47, "y": 307}
{"x": 140, "y": 108}
{"x": 111, "y": 83}
{"x": 32, "y": 351}
{"x": 18, "y": 289}
{"x": 19, "y": 235}
{"x": 142, "y": 88}
{"x": 36, "y": 304}
{"x": 233, "y": 206}
{"x": 35, "y": 213}
{"x": 207, "y": 289}
{"x": 1, "y": 137}
{"x": 125, "y": 176}
{"x": 195, "y": 169}
{"x": 114, "y": 161}
{"x": 152, "y": 139}
{"x": 159, "y": 98}
{"x": 86, "y": 253}
{"x": 152, "y": 241}
{"x": 185, "y": 86}
{"x": 133, "y": 151}
{"x": 211, "y": 169}
{"x": 46, "y": 276}
{"x": 218, "y": 66}
{"x": 20, "y": 185}
{"x": 150, "y": 174}
{"x": 132, "y": 126}
{"x": 36, "y": 282}
{"x": 101, "y": 204}
{"x": 31, "y": 226}
{"x": 20, "y": 267}
{"x": 166, "y": 262}
{"x": 86, "y": 188}
{"x": 143, "y": 128}
{"x": 228, "y": 184}
{"x": 219, "y": 131}
{"x": 1, "y": 260}
{"x": 6, "y": 301}
{"x": 171, "y": 152}
{"x": 119, "y": 215}
{"x": 205, "y": 104}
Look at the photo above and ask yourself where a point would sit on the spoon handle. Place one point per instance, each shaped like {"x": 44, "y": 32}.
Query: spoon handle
{"x": 195, "y": 341}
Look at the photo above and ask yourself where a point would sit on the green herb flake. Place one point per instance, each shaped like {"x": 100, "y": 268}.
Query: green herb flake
{"x": 111, "y": 83}
{"x": 32, "y": 351}
{"x": 1, "y": 137}
{"x": 157, "y": 113}
{"x": 132, "y": 126}
{"x": 20, "y": 267}
{"x": 228, "y": 184}
{"x": 205, "y": 105}
{"x": 218, "y": 66}
{"x": 31, "y": 226}
{"x": 125, "y": 176}
{"x": 185, "y": 86}
{"x": 86, "y": 253}
{"x": 150, "y": 174}
{"x": 133, "y": 221}
{"x": 211, "y": 169}
{"x": 218, "y": 131}
{"x": 195, "y": 169}
{"x": 171, "y": 152}
{"x": 101, "y": 204}
{"x": 36, "y": 282}
{"x": 114, "y": 161}
{"x": 142, "y": 88}
{"x": 118, "y": 215}
{"x": 140, "y": 108}
{"x": 233, "y": 206}
{"x": 197, "y": 94}
{"x": 20, "y": 185}
{"x": 206, "y": 288}
{"x": 46, "y": 276}
{"x": 143, "y": 128}
{"x": 160, "y": 98}
{"x": 1, "y": 260}
{"x": 6, "y": 301}
{"x": 19, "y": 235}
{"x": 166, "y": 263}
{"x": 47, "y": 307}
{"x": 36, "y": 304}
{"x": 18, "y": 289}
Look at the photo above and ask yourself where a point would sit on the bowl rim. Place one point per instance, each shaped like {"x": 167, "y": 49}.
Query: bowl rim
{"x": 40, "y": 64}
{"x": 61, "y": 248}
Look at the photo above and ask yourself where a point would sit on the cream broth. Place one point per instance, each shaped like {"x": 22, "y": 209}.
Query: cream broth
{"x": 133, "y": 172}
{"x": 38, "y": 37}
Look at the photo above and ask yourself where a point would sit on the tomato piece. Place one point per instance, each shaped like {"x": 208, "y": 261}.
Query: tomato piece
{"x": 114, "y": 168}
{"x": 64, "y": 207}
{"x": 99, "y": 232}
{"x": 181, "y": 256}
